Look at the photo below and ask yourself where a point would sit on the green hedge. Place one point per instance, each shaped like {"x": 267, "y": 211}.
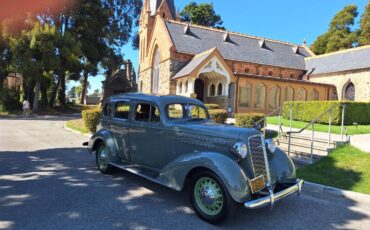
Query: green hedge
{"x": 247, "y": 120}
{"x": 212, "y": 106}
{"x": 218, "y": 115}
{"x": 355, "y": 112}
{"x": 91, "y": 118}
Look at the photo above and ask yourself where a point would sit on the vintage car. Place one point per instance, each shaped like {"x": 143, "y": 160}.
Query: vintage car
{"x": 172, "y": 141}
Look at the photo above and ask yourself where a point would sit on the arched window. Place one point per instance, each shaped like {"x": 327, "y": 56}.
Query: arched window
{"x": 260, "y": 97}
{"x": 291, "y": 76}
{"x": 270, "y": 73}
{"x": 212, "y": 90}
{"x": 246, "y": 70}
{"x": 349, "y": 92}
{"x": 155, "y": 72}
{"x": 289, "y": 94}
{"x": 244, "y": 97}
{"x": 186, "y": 86}
{"x": 274, "y": 97}
{"x": 219, "y": 89}
{"x": 180, "y": 87}
{"x": 301, "y": 94}
{"x": 314, "y": 95}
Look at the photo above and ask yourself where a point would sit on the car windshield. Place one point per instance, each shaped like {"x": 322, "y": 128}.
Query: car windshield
{"x": 186, "y": 111}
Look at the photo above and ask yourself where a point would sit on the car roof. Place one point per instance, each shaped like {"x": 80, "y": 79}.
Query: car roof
{"x": 160, "y": 100}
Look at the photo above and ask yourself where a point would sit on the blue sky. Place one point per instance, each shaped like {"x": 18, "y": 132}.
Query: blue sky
{"x": 286, "y": 20}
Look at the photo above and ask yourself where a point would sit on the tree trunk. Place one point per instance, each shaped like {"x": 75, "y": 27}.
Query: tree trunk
{"x": 44, "y": 96}
{"x": 35, "y": 107}
{"x": 62, "y": 89}
{"x": 53, "y": 96}
{"x": 84, "y": 89}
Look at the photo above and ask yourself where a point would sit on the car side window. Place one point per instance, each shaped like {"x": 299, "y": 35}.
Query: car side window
{"x": 106, "y": 111}
{"x": 147, "y": 113}
{"x": 121, "y": 110}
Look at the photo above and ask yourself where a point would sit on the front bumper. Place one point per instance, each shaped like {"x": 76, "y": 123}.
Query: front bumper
{"x": 273, "y": 197}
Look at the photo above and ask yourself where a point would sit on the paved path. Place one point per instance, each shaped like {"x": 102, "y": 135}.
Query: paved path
{"x": 48, "y": 181}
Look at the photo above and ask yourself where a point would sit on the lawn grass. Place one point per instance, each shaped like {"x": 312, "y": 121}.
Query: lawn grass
{"x": 347, "y": 168}
{"x": 361, "y": 129}
{"x": 77, "y": 125}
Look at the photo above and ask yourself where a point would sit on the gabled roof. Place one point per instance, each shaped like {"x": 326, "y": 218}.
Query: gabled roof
{"x": 239, "y": 47}
{"x": 344, "y": 60}
{"x": 194, "y": 63}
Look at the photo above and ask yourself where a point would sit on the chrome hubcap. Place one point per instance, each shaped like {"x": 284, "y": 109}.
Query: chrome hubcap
{"x": 208, "y": 196}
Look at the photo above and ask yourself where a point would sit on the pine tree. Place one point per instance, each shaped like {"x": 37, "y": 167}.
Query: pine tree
{"x": 364, "y": 37}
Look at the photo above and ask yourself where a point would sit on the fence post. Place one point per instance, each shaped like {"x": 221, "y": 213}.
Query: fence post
{"x": 279, "y": 134}
{"x": 342, "y": 125}
{"x": 312, "y": 139}
{"x": 290, "y": 126}
{"x": 330, "y": 118}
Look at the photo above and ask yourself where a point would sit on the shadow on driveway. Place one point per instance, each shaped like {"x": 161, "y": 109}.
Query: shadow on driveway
{"x": 62, "y": 189}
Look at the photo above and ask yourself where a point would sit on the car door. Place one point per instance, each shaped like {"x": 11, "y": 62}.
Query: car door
{"x": 147, "y": 137}
{"x": 120, "y": 128}
{"x": 106, "y": 116}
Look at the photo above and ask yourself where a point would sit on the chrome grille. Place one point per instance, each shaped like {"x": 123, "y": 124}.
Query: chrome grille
{"x": 257, "y": 156}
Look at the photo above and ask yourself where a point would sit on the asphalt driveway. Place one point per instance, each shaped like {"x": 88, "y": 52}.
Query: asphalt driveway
{"x": 49, "y": 181}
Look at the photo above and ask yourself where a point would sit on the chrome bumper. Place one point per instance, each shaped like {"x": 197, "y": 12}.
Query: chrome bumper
{"x": 273, "y": 197}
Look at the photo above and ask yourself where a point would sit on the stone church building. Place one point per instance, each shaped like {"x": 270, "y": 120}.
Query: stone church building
{"x": 240, "y": 72}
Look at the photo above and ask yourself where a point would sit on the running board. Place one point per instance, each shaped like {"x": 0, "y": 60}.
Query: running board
{"x": 143, "y": 172}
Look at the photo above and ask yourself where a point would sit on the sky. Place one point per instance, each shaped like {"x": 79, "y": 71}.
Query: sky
{"x": 286, "y": 20}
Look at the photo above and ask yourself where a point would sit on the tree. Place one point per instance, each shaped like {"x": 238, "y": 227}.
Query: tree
{"x": 72, "y": 92}
{"x": 201, "y": 14}
{"x": 364, "y": 33}
{"x": 340, "y": 35}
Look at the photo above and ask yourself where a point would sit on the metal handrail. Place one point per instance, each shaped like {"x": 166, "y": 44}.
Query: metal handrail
{"x": 264, "y": 119}
{"x": 313, "y": 120}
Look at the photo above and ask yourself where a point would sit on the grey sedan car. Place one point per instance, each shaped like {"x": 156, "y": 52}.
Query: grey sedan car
{"x": 172, "y": 141}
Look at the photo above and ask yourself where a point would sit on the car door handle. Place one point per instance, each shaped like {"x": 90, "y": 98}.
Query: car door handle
{"x": 159, "y": 132}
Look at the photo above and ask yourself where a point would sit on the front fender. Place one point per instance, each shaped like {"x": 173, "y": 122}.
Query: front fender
{"x": 282, "y": 169}
{"x": 106, "y": 137}
{"x": 234, "y": 178}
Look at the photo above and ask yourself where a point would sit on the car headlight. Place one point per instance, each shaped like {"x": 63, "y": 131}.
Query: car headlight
{"x": 270, "y": 144}
{"x": 239, "y": 150}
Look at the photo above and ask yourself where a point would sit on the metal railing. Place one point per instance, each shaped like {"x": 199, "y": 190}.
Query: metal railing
{"x": 310, "y": 124}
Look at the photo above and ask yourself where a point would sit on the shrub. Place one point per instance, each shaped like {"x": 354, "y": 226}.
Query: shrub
{"x": 212, "y": 106}
{"x": 9, "y": 99}
{"x": 355, "y": 112}
{"x": 218, "y": 115}
{"x": 91, "y": 118}
{"x": 247, "y": 120}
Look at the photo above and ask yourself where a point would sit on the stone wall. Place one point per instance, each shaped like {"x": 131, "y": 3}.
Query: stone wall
{"x": 360, "y": 79}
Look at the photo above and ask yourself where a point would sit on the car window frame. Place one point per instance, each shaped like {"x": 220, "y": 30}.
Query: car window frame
{"x": 113, "y": 110}
{"x": 182, "y": 119}
{"x": 133, "y": 118}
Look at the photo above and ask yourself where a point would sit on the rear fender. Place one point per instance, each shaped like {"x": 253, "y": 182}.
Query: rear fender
{"x": 234, "y": 178}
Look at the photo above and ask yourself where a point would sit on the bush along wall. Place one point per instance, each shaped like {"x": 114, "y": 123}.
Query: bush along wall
{"x": 91, "y": 118}
{"x": 218, "y": 115}
{"x": 212, "y": 106}
{"x": 247, "y": 120}
{"x": 355, "y": 112}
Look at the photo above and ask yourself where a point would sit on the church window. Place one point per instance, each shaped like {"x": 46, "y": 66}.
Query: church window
{"x": 219, "y": 89}
{"x": 274, "y": 97}
{"x": 180, "y": 87}
{"x": 260, "y": 97}
{"x": 186, "y": 86}
{"x": 244, "y": 99}
{"x": 212, "y": 90}
{"x": 301, "y": 94}
{"x": 289, "y": 94}
{"x": 314, "y": 95}
{"x": 155, "y": 72}
{"x": 270, "y": 73}
{"x": 349, "y": 92}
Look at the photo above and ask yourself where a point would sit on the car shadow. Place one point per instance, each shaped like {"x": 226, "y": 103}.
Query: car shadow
{"x": 61, "y": 188}
{"x": 65, "y": 117}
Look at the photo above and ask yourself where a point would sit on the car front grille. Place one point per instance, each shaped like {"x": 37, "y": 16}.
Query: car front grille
{"x": 257, "y": 156}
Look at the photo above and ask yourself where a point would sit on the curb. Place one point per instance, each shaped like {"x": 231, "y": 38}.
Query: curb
{"x": 75, "y": 131}
{"x": 337, "y": 191}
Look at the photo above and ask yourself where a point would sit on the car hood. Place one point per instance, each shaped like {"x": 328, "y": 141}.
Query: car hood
{"x": 214, "y": 129}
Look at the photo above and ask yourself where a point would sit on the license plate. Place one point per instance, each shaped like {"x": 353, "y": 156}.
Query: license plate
{"x": 257, "y": 184}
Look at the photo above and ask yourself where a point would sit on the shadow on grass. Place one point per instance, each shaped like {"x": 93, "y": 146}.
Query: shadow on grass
{"x": 61, "y": 188}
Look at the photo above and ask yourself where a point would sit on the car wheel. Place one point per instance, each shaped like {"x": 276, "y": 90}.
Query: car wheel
{"x": 102, "y": 159}
{"x": 210, "y": 198}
